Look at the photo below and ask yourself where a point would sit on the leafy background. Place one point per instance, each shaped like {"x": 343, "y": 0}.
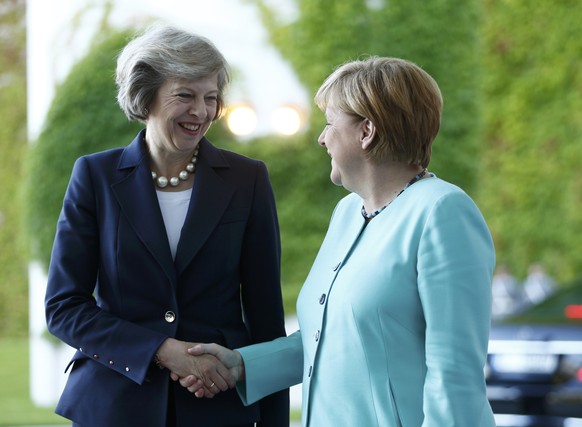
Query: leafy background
{"x": 509, "y": 73}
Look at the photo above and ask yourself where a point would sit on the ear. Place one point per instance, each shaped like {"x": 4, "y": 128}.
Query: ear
{"x": 368, "y": 134}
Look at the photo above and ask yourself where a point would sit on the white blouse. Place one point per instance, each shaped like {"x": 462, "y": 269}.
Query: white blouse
{"x": 174, "y": 207}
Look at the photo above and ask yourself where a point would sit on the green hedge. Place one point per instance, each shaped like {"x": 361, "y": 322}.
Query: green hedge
{"x": 83, "y": 118}
{"x": 531, "y": 192}
{"x": 510, "y": 75}
{"x": 13, "y": 148}
{"x": 442, "y": 36}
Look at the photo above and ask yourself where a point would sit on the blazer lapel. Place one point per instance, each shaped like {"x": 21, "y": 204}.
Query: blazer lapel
{"x": 138, "y": 201}
{"x": 210, "y": 198}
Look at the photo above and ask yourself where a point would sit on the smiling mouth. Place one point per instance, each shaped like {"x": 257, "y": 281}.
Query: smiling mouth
{"x": 191, "y": 127}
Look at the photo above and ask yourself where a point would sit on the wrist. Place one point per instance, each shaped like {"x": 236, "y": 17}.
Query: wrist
{"x": 157, "y": 361}
{"x": 163, "y": 353}
{"x": 241, "y": 366}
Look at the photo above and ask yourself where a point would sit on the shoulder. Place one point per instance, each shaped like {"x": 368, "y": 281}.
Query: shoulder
{"x": 105, "y": 156}
{"x": 432, "y": 204}
{"x": 436, "y": 193}
{"x": 232, "y": 167}
{"x": 218, "y": 157}
{"x": 435, "y": 188}
{"x": 126, "y": 156}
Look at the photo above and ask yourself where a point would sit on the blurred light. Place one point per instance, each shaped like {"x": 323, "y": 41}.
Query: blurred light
{"x": 241, "y": 120}
{"x": 573, "y": 311}
{"x": 286, "y": 120}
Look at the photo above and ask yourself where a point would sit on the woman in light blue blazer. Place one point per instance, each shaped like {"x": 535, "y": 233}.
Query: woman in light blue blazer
{"x": 394, "y": 315}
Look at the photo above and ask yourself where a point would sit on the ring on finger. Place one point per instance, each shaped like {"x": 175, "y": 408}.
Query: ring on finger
{"x": 211, "y": 385}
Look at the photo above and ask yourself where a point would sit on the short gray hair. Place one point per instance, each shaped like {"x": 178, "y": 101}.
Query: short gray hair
{"x": 162, "y": 53}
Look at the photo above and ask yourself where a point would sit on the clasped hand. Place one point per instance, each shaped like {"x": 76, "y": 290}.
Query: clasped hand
{"x": 206, "y": 370}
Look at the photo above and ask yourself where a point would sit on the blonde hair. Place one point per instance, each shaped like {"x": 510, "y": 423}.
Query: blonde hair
{"x": 401, "y": 99}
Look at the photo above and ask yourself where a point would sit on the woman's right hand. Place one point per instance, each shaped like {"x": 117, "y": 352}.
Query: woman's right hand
{"x": 211, "y": 374}
{"x": 228, "y": 359}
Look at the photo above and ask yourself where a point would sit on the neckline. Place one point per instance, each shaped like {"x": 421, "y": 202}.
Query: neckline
{"x": 368, "y": 216}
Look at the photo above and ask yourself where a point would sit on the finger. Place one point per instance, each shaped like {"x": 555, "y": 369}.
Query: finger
{"x": 219, "y": 386}
{"x": 189, "y": 381}
{"x": 202, "y": 392}
{"x": 223, "y": 378}
{"x": 174, "y": 376}
{"x": 199, "y": 349}
{"x": 196, "y": 386}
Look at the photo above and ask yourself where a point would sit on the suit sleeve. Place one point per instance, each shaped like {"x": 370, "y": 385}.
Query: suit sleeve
{"x": 270, "y": 367}
{"x": 72, "y": 312}
{"x": 261, "y": 285}
{"x": 455, "y": 266}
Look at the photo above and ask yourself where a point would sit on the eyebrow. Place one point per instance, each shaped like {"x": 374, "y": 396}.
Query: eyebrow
{"x": 188, "y": 89}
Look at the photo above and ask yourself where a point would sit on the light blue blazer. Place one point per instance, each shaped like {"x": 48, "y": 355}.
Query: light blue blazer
{"x": 394, "y": 318}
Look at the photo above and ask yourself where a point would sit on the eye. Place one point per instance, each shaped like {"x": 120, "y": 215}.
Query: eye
{"x": 212, "y": 98}
{"x": 184, "y": 96}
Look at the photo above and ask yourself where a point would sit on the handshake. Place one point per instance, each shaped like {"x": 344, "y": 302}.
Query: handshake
{"x": 204, "y": 369}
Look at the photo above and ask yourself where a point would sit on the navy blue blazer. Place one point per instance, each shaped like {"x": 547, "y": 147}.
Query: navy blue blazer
{"x": 115, "y": 293}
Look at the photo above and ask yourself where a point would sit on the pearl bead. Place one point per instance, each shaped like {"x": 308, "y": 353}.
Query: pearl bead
{"x": 162, "y": 181}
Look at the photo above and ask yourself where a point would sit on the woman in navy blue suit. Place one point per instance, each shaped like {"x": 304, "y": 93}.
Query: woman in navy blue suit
{"x": 162, "y": 243}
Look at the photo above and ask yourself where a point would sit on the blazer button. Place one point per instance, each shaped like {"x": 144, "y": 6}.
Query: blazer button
{"x": 322, "y": 299}
{"x": 337, "y": 266}
{"x": 170, "y": 316}
{"x": 316, "y": 336}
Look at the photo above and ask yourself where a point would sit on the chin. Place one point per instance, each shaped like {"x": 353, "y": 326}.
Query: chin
{"x": 336, "y": 180}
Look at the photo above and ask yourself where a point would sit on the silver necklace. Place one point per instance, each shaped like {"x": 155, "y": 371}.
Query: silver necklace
{"x": 174, "y": 181}
{"x": 371, "y": 215}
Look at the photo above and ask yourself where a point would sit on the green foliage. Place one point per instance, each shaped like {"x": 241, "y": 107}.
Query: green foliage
{"x": 531, "y": 194}
{"x": 83, "y": 118}
{"x": 441, "y": 36}
{"x": 13, "y": 282}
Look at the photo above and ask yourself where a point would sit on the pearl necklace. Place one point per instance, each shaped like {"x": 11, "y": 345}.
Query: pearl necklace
{"x": 408, "y": 184}
{"x": 162, "y": 181}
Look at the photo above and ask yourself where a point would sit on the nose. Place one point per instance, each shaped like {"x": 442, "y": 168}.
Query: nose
{"x": 321, "y": 139}
{"x": 197, "y": 108}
